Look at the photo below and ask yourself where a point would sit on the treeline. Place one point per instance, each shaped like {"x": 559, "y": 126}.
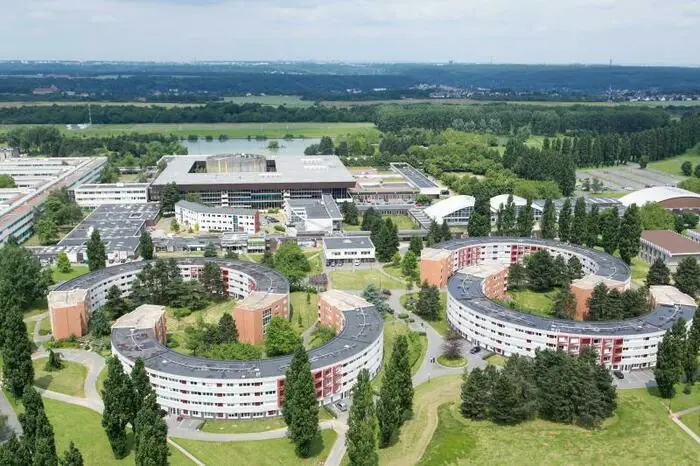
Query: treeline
{"x": 507, "y": 119}
{"x": 210, "y": 113}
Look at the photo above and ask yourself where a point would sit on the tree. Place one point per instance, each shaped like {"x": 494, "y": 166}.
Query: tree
{"x": 210, "y": 250}
{"x": 387, "y": 243}
{"x": 141, "y": 383}
{"x": 280, "y": 337}
{"x": 99, "y": 324}
{"x": 291, "y": 262}
{"x": 325, "y": 146}
{"x": 168, "y": 198}
{"x": 631, "y": 225}
{"x": 610, "y": 229}
{"x": 13, "y": 452}
{"x": 211, "y": 280}
{"x": 409, "y": 265}
{"x": 350, "y": 214}
{"x": 658, "y": 273}
{"x": 654, "y": 216}
{"x": 480, "y": 219}
{"x": 115, "y": 305}
{"x": 62, "y": 263}
{"x": 416, "y": 246}
{"x": 6, "y": 181}
{"x": 668, "y": 364}
{"x": 687, "y": 276}
{"x": 95, "y": 249}
{"x": 548, "y": 222}
{"x": 687, "y": 168}
{"x": 598, "y": 302}
{"x": 119, "y": 407}
{"x": 17, "y": 369}
{"x": 475, "y": 395}
{"x": 504, "y": 400}
{"x": 452, "y": 345}
{"x": 445, "y": 233}
{"x": 434, "y": 234}
{"x": 226, "y": 331}
{"x": 564, "y": 304}
{"x": 72, "y": 456}
{"x": 575, "y": 268}
{"x": 593, "y": 227}
{"x": 47, "y": 231}
{"x": 541, "y": 273}
{"x": 508, "y": 218}
{"x": 22, "y": 279}
{"x": 402, "y": 377}
{"x": 526, "y": 220}
{"x": 361, "y": 440}
{"x": 300, "y": 401}
{"x": 38, "y": 434}
{"x": 428, "y": 305}
{"x": 268, "y": 259}
{"x": 372, "y": 222}
{"x": 151, "y": 441}
{"x": 396, "y": 260}
{"x": 53, "y": 362}
{"x": 578, "y": 234}
{"x": 560, "y": 272}
{"x": 389, "y": 408}
{"x": 174, "y": 226}
{"x": 565, "y": 221}
{"x": 146, "y": 245}
{"x": 517, "y": 276}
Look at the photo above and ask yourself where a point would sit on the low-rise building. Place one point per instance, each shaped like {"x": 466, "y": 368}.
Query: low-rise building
{"x": 669, "y": 246}
{"x": 455, "y": 210}
{"x": 95, "y": 194}
{"x": 339, "y": 250}
{"x": 204, "y": 218}
{"x": 313, "y": 215}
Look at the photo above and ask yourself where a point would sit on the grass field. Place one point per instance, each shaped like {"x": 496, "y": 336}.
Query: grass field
{"x": 77, "y": 271}
{"x": 639, "y": 433}
{"x": 417, "y": 347}
{"x": 272, "y": 100}
{"x": 45, "y": 326}
{"x": 640, "y": 269}
{"x": 459, "y": 362}
{"x": 692, "y": 420}
{"x": 673, "y": 165}
{"x": 533, "y": 302}
{"x": 245, "y": 426}
{"x": 308, "y": 312}
{"x": 496, "y": 360}
{"x": 69, "y": 379}
{"x": 360, "y": 278}
{"x": 176, "y": 327}
{"x": 260, "y": 452}
{"x": 402, "y": 222}
{"x": 232, "y": 130}
{"x": 439, "y": 325}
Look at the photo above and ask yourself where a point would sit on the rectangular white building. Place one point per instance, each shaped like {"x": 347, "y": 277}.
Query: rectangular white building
{"x": 348, "y": 249}
{"x": 205, "y": 218}
{"x": 322, "y": 215}
{"x": 95, "y": 195}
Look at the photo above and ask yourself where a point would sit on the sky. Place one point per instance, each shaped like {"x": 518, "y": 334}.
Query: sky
{"x": 639, "y": 32}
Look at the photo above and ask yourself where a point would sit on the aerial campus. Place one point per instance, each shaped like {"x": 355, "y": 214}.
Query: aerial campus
{"x": 370, "y": 263}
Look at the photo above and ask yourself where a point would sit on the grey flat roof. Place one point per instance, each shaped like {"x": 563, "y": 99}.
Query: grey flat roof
{"x": 325, "y": 207}
{"x": 197, "y": 207}
{"x": 362, "y": 327}
{"x": 266, "y": 279}
{"x": 608, "y": 266}
{"x": 290, "y": 169}
{"x": 355, "y": 242}
{"x": 413, "y": 175}
{"x": 467, "y": 290}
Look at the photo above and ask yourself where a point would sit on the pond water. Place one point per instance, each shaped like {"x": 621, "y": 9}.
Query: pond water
{"x": 249, "y": 146}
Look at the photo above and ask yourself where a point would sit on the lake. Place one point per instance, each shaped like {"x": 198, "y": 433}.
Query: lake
{"x": 249, "y": 146}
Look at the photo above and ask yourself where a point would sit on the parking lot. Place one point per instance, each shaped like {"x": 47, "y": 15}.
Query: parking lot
{"x": 629, "y": 177}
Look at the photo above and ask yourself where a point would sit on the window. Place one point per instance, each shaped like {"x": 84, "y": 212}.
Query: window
{"x": 267, "y": 317}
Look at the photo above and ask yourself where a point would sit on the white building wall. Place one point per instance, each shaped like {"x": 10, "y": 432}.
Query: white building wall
{"x": 349, "y": 254}
{"x": 207, "y": 221}
{"x": 95, "y": 195}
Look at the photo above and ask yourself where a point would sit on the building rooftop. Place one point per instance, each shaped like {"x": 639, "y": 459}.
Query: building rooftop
{"x": 485, "y": 269}
{"x": 656, "y": 194}
{"x": 443, "y": 208}
{"x": 197, "y": 207}
{"x": 288, "y": 169}
{"x": 669, "y": 295}
{"x": 143, "y": 317}
{"x": 496, "y": 201}
{"x": 343, "y": 300}
{"x": 434, "y": 254}
{"x": 355, "y": 242}
{"x": 671, "y": 241}
{"x": 324, "y": 208}
{"x": 414, "y": 176}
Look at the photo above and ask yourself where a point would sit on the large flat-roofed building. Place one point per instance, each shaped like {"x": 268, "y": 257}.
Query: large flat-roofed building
{"x": 417, "y": 178}
{"x": 455, "y": 210}
{"x": 205, "y": 218}
{"x": 669, "y": 246}
{"x": 313, "y": 215}
{"x": 339, "y": 250}
{"x": 95, "y": 194}
{"x": 255, "y": 181}
{"x": 670, "y": 197}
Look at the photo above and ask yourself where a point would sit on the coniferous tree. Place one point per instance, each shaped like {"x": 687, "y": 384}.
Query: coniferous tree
{"x": 541, "y": 273}
{"x": 151, "y": 441}
{"x": 350, "y": 213}
{"x": 409, "y": 265}
{"x": 303, "y": 428}
{"x": 508, "y": 221}
{"x": 548, "y": 222}
{"x": 389, "y": 408}
{"x": 610, "y": 230}
{"x": 140, "y": 382}
{"x": 578, "y": 233}
{"x": 226, "y": 331}
{"x": 667, "y": 372}
{"x": 416, "y": 246}
{"x": 687, "y": 276}
{"x": 445, "y": 233}
{"x": 575, "y": 268}
{"x": 593, "y": 227}
{"x": 597, "y": 303}
{"x": 63, "y": 263}
{"x": 402, "y": 374}
{"x": 72, "y": 456}
{"x": 119, "y": 409}
{"x": 211, "y": 280}
{"x": 168, "y": 198}
{"x": 53, "y": 362}
{"x": 658, "y": 273}
{"x": 434, "y": 234}
{"x": 17, "y": 369}
{"x": 499, "y": 221}
{"x": 693, "y": 349}
{"x": 13, "y": 452}
{"x": 115, "y": 305}
{"x": 387, "y": 243}
{"x": 38, "y": 434}
{"x": 95, "y": 249}
{"x": 428, "y": 305}
{"x": 517, "y": 276}
{"x": 565, "y": 221}
{"x": 480, "y": 219}
{"x": 475, "y": 395}
{"x": 372, "y": 222}
{"x": 146, "y": 245}
{"x": 526, "y": 220}
{"x": 505, "y": 400}
{"x": 631, "y": 229}
{"x": 560, "y": 272}
{"x": 361, "y": 440}
{"x": 210, "y": 250}
{"x": 564, "y": 304}
{"x": 268, "y": 259}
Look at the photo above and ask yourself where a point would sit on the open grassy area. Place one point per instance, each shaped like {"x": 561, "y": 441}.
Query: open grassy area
{"x": 639, "y": 433}
{"x": 673, "y": 164}
{"x": 176, "y": 327}
{"x": 496, "y": 360}
{"x": 640, "y": 269}
{"x": 533, "y": 302}
{"x": 439, "y": 325}
{"x": 393, "y": 271}
{"x": 459, "y": 362}
{"x": 69, "y": 379}
{"x": 300, "y": 308}
{"x": 681, "y": 401}
{"x": 30, "y": 328}
{"x": 360, "y": 278}
{"x": 244, "y": 426}
{"x": 692, "y": 420}
{"x": 78, "y": 270}
{"x": 402, "y": 222}
{"x": 260, "y": 452}
{"x": 45, "y": 326}
{"x": 417, "y": 347}
{"x": 272, "y": 100}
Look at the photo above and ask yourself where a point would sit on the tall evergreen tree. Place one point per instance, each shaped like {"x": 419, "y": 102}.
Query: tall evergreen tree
{"x": 17, "y": 370}
{"x": 631, "y": 229}
{"x": 593, "y": 226}
{"x": 300, "y": 400}
{"x": 517, "y": 276}
{"x": 564, "y": 304}
{"x": 548, "y": 222}
{"x": 168, "y": 198}
{"x": 389, "y": 408}
{"x": 445, "y": 233}
{"x": 667, "y": 371}
{"x": 416, "y": 246}
{"x": 508, "y": 220}
{"x": 361, "y": 440}
{"x": 409, "y": 265}
{"x": 475, "y": 395}
{"x": 658, "y": 273}
{"x": 499, "y": 221}
{"x": 565, "y": 221}
{"x": 387, "y": 243}
{"x": 610, "y": 230}
{"x": 687, "y": 276}
{"x": 505, "y": 400}
{"x": 72, "y": 456}
{"x": 434, "y": 234}
{"x": 526, "y": 220}
{"x": 151, "y": 441}
{"x": 579, "y": 225}
{"x": 140, "y": 382}
{"x": 598, "y": 302}
{"x": 428, "y": 305}
{"x": 575, "y": 268}
{"x": 95, "y": 249}
{"x": 226, "y": 331}
{"x": 146, "y": 245}
{"x": 480, "y": 219}
{"x": 402, "y": 373}
{"x": 38, "y": 434}
{"x": 119, "y": 409}
{"x": 13, "y": 452}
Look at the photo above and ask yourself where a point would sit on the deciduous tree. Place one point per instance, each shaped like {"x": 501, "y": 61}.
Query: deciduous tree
{"x": 280, "y": 337}
{"x": 62, "y": 263}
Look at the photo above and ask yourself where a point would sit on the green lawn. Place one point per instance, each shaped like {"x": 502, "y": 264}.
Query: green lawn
{"x": 100, "y": 382}
{"x": 496, "y": 360}
{"x": 78, "y": 270}
{"x": 307, "y": 311}
{"x": 533, "y": 302}
{"x": 692, "y": 420}
{"x": 639, "y": 433}
{"x": 216, "y": 426}
{"x": 45, "y": 326}
{"x": 402, "y": 222}
{"x": 393, "y": 271}
{"x": 673, "y": 165}
{"x": 272, "y": 100}
{"x": 441, "y": 326}
{"x": 260, "y": 452}
{"x": 360, "y": 278}
{"x": 417, "y": 347}
{"x": 315, "y": 261}
{"x": 69, "y": 379}
{"x": 176, "y": 327}
{"x": 680, "y": 401}
{"x": 459, "y": 362}
{"x": 640, "y": 269}
{"x": 30, "y": 328}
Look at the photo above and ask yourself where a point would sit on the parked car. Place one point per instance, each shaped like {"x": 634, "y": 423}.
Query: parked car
{"x": 619, "y": 374}
{"x": 342, "y": 406}
{"x": 474, "y": 350}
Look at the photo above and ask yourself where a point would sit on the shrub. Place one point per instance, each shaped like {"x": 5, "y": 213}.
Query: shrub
{"x": 182, "y": 312}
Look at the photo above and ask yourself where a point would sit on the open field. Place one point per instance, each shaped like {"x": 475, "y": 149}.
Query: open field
{"x": 232, "y": 130}
{"x": 692, "y": 420}
{"x": 272, "y": 100}
{"x": 639, "y": 433}
{"x": 245, "y": 426}
{"x": 539, "y": 103}
{"x": 307, "y": 311}
{"x": 358, "y": 279}
{"x": 78, "y": 270}
{"x": 260, "y": 452}
{"x": 69, "y": 379}
{"x": 673, "y": 165}
{"x": 439, "y": 325}
{"x": 533, "y": 302}
{"x": 64, "y": 104}
{"x": 402, "y": 222}
{"x": 417, "y": 347}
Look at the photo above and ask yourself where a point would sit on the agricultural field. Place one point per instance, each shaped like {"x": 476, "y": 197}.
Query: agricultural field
{"x": 673, "y": 165}
{"x": 292, "y": 101}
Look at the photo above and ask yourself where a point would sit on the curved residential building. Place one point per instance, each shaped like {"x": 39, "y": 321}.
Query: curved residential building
{"x": 474, "y": 270}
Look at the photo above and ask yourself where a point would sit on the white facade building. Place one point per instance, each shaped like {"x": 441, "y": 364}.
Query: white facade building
{"x": 95, "y": 195}
{"x": 455, "y": 210}
{"x": 348, "y": 249}
{"x": 205, "y": 218}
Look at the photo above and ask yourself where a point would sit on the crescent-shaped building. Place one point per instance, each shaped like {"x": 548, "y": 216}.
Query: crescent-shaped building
{"x": 226, "y": 389}
{"x": 475, "y": 272}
